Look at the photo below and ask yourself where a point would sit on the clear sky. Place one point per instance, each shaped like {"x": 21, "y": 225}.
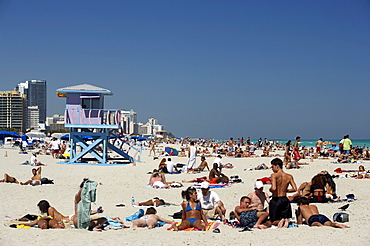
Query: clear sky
{"x": 215, "y": 69}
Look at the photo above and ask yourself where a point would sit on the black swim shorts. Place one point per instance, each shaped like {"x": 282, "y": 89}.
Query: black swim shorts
{"x": 280, "y": 208}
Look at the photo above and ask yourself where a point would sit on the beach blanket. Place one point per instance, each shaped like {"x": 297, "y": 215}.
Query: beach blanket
{"x": 197, "y": 186}
{"x": 340, "y": 170}
{"x": 211, "y": 226}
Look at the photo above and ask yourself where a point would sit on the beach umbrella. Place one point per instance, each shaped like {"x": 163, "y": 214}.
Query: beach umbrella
{"x": 65, "y": 137}
{"x": 57, "y": 135}
{"x": 171, "y": 151}
{"x": 134, "y": 137}
{"x": 24, "y": 137}
{"x": 36, "y": 134}
{"x": 4, "y": 134}
{"x": 141, "y": 139}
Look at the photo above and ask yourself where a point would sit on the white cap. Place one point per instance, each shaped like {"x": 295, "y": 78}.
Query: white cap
{"x": 258, "y": 184}
{"x": 205, "y": 185}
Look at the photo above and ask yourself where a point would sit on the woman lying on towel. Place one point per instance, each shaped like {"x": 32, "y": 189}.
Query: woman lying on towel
{"x": 192, "y": 215}
{"x": 153, "y": 202}
{"x": 150, "y": 219}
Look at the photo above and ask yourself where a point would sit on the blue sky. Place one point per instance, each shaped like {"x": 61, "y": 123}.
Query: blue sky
{"x": 214, "y": 69}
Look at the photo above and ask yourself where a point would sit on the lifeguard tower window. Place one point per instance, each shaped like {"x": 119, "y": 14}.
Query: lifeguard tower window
{"x": 90, "y": 103}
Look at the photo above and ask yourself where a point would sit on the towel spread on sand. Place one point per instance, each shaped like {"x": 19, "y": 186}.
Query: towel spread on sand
{"x": 210, "y": 226}
{"x": 88, "y": 195}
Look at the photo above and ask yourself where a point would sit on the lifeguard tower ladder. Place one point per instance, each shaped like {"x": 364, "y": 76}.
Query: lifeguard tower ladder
{"x": 92, "y": 126}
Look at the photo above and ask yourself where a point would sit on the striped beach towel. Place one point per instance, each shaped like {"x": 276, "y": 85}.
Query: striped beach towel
{"x": 211, "y": 226}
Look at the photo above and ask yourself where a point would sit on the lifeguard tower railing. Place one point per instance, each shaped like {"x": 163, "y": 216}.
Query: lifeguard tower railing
{"x": 105, "y": 119}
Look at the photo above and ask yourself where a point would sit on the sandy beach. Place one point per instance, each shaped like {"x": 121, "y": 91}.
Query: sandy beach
{"x": 120, "y": 183}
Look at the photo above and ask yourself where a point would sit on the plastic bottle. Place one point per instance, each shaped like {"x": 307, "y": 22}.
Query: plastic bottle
{"x": 133, "y": 201}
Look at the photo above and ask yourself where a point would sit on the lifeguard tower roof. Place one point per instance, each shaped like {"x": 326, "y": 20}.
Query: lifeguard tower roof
{"x": 83, "y": 88}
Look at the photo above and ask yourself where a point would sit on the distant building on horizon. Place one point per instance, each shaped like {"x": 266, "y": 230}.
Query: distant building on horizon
{"x": 55, "y": 123}
{"x": 13, "y": 110}
{"x": 35, "y": 91}
{"x": 129, "y": 122}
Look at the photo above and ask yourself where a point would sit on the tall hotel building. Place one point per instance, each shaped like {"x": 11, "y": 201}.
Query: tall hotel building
{"x": 35, "y": 91}
{"x": 13, "y": 110}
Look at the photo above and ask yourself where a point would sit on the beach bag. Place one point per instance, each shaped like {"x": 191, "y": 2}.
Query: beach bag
{"x": 341, "y": 217}
{"x": 47, "y": 181}
{"x": 177, "y": 215}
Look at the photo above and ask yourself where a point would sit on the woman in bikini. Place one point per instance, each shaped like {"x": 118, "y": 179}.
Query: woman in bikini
{"x": 150, "y": 219}
{"x": 52, "y": 219}
{"x": 192, "y": 215}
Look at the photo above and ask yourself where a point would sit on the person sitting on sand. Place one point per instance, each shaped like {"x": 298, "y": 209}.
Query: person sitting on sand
{"x": 163, "y": 166}
{"x": 153, "y": 202}
{"x": 171, "y": 166}
{"x": 259, "y": 197}
{"x": 36, "y": 179}
{"x": 303, "y": 190}
{"x": 212, "y": 206}
{"x": 34, "y": 161}
{"x": 312, "y": 216}
{"x": 9, "y": 179}
{"x": 362, "y": 174}
{"x": 192, "y": 215}
{"x": 216, "y": 176}
{"x": 249, "y": 216}
{"x": 51, "y": 218}
{"x": 203, "y": 165}
{"x": 77, "y": 199}
{"x": 150, "y": 219}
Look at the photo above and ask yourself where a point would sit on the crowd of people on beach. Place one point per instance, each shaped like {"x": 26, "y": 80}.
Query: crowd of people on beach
{"x": 257, "y": 210}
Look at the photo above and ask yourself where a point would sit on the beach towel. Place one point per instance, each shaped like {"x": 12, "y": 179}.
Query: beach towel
{"x": 88, "y": 195}
{"x": 340, "y": 170}
{"x": 197, "y": 186}
{"x": 210, "y": 226}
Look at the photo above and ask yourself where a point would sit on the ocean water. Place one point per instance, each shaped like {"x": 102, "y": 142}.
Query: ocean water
{"x": 312, "y": 142}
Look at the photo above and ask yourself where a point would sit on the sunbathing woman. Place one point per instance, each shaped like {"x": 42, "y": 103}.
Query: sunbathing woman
{"x": 52, "y": 219}
{"x": 192, "y": 215}
{"x": 362, "y": 174}
{"x": 150, "y": 219}
{"x": 153, "y": 202}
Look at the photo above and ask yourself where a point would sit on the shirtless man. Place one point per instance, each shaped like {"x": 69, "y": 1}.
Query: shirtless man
{"x": 248, "y": 216}
{"x": 311, "y": 214}
{"x": 296, "y": 155}
{"x": 318, "y": 146}
{"x": 280, "y": 209}
{"x": 36, "y": 179}
{"x": 258, "y": 197}
{"x": 230, "y": 145}
{"x": 215, "y": 176}
{"x": 203, "y": 165}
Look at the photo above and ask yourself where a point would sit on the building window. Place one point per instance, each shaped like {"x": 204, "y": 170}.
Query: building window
{"x": 90, "y": 103}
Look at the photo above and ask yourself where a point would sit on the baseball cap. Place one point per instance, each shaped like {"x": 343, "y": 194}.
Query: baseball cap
{"x": 258, "y": 184}
{"x": 205, "y": 185}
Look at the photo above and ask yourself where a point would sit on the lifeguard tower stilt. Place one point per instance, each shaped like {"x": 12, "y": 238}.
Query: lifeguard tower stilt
{"x": 90, "y": 126}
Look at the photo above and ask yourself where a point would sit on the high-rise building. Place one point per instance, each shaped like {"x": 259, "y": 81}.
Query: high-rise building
{"x": 35, "y": 91}
{"x": 129, "y": 121}
{"x": 13, "y": 112}
{"x": 33, "y": 117}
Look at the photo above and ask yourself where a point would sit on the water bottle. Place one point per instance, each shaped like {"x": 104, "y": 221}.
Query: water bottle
{"x": 133, "y": 201}
{"x": 99, "y": 210}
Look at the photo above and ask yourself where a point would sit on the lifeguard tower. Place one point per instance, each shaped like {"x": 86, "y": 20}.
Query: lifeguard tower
{"x": 95, "y": 129}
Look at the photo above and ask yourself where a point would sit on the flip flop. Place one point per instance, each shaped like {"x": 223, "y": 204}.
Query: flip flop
{"x": 120, "y": 205}
{"x": 245, "y": 229}
{"x": 216, "y": 230}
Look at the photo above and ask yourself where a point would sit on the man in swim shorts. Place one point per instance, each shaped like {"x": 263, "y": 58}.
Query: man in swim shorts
{"x": 249, "y": 216}
{"x": 312, "y": 216}
{"x": 36, "y": 179}
{"x": 280, "y": 209}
